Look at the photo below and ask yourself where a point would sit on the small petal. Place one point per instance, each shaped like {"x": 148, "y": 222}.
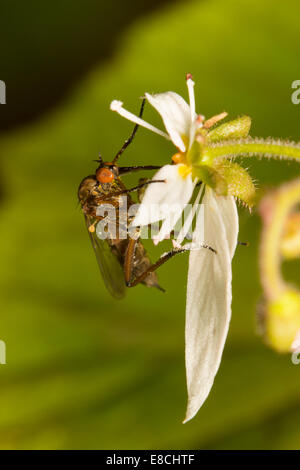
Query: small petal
{"x": 208, "y": 308}
{"x": 160, "y": 197}
{"x": 175, "y": 113}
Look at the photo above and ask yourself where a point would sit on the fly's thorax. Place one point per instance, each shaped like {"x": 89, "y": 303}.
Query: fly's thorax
{"x": 90, "y": 192}
{"x": 86, "y": 188}
{"x": 110, "y": 188}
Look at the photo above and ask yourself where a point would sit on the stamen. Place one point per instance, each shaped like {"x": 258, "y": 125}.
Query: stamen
{"x": 213, "y": 120}
{"x": 188, "y": 76}
{"x": 118, "y": 107}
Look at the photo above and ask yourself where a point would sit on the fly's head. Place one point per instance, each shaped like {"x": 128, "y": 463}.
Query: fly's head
{"x": 106, "y": 175}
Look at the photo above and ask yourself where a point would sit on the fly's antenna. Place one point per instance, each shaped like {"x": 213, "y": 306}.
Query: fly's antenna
{"x": 100, "y": 160}
{"x": 130, "y": 139}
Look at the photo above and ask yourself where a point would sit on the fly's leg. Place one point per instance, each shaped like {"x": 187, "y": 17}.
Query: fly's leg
{"x": 129, "y": 259}
{"x": 142, "y": 189}
{"x": 130, "y": 139}
{"x": 154, "y": 267}
{"x": 243, "y": 243}
{"x": 174, "y": 234}
{"x": 142, "y": 185}
{"x": 130, "y": 169}
{"x": 135, "y": 188}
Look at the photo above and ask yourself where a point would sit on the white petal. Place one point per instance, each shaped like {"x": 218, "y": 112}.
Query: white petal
{"x": 168, "y": 225}
{"x": 117, "y": 106}
{"x": 190, "y": 217}
{"x": 160, "y": 197}
{"x": 230, "y": 218}
{"x": 175, "y": 113}
{"x": 208, "y": 308}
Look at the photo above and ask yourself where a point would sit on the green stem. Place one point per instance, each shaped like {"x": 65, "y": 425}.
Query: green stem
{"x": 254, "y": 147}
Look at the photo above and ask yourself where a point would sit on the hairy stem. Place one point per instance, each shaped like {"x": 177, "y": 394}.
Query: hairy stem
{"x": 255, "y": 147}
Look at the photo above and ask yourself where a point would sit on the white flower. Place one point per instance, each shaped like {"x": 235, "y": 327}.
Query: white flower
{"x": 208, "y": 306}
{"x": 163, "y": 201}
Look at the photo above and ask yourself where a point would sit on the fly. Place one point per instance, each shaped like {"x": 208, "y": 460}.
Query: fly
{"x": 123, "y": 262}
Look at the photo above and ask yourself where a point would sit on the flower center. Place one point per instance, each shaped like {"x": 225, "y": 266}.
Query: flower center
{"x": 184, "y": 170}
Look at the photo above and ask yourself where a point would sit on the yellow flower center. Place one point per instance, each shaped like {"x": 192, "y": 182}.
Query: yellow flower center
{"x": 184, "y": 170}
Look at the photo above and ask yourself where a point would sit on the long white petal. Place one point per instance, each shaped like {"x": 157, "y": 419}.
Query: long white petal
{"x": 117, "y": 106}
{"x": 190, "y": 217}
{"x": 208, "y": 308}
{"x": 227, "y": 207}
{"x": 169, "y": 223}
{"x": 159, "y": 198}
{"x": 175, "y": 113}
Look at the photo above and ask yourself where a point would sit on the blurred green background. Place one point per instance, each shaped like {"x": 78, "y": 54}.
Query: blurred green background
{"x": 85, "y": 371}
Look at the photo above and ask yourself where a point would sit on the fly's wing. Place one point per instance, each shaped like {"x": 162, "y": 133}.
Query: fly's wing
{"x": 109, "y": 265}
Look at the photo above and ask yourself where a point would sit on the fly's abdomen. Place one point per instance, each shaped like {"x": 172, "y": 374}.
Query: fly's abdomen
{"x": 141, "y": 263}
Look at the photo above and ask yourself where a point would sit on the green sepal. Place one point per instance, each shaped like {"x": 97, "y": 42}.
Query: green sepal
{"x": 194, "y": 154}
{"x": 238, "y": 181}
{"x": 236, "y": 129}
{"x": 212, "y": 178}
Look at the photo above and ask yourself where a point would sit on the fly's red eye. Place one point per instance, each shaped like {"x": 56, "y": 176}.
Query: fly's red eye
{"x": 105, "y": 175}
